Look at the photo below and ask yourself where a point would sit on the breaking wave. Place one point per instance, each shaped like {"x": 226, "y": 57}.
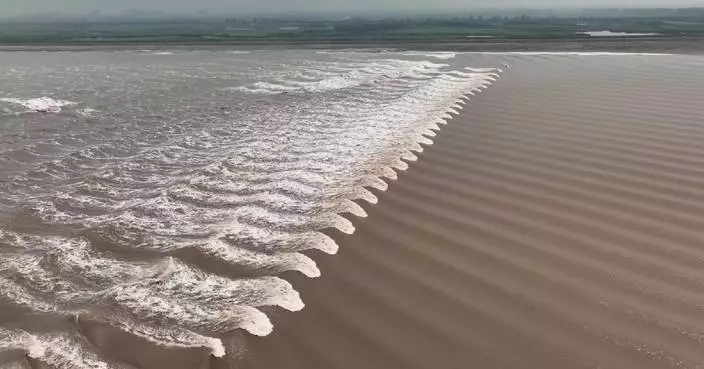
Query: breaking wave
{"x": 171, "y": 214}
{"x": 40, "y": 104}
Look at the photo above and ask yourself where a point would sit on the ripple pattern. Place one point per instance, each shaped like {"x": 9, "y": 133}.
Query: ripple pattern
{"x": 557, "y": 223}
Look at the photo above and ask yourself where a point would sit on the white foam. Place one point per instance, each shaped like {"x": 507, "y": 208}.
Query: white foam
{"x": 70, "y": 257}
{"x": 30, "y": 268}
{"x": 389, "y": 173}
{"x": 431, "y": 133}
{"x": 361, "y": 193}
{"x": 14, "y": 339}
{"x": 444, "y": 55}
{"x": 271, "y": 241}
{"x": 277, "y": 262}
{"x": 378, "y": 71}
{"x": 87, "y": 112}
{"x": 217, "y": 348}
{"x": 606, "y": 33}
{"x": 19, "y": 296}
{"x": 483, "y": 70}
{"x": 64, "y": 351}
{"x": 409, "y": 156}
{"x": 273, "y": 87}
{"x": 156, "y": 308}
{"x": 40, "y": 104}
{"x": 192, "y": 285}
{"x": 145, "y": 299}
{"x": 171, "y": 337}
{"x": 250, "y": 200}
{"x": 347, "y": 206}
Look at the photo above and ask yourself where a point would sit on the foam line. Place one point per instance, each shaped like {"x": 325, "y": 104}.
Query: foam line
{"x": 340, "y": 130}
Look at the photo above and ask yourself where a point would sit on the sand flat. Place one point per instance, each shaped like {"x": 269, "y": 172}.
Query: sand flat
{"x": 558, "y": 222}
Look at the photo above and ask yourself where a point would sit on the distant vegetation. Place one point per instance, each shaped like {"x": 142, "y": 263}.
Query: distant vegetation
{"x": 486, "y": 27}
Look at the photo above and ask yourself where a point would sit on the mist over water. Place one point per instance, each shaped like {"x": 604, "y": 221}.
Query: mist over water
{"x": 162, "y": 194}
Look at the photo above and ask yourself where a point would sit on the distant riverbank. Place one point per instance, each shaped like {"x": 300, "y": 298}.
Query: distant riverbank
{"x": 612, "y": 44}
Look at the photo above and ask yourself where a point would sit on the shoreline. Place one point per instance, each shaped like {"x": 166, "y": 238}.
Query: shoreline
{"x": 630, "y": 45}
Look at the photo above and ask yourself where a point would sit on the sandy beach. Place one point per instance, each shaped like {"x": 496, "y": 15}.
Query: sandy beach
{"x": 556, "y": 223}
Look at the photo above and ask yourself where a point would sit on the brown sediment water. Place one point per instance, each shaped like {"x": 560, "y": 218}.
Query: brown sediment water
{"x": 154, "y": 201}
{"x": 557, "y": 222}
{"x": 175, "y": 208}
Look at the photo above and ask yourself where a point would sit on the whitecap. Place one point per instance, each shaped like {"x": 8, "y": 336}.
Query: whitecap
{"x": 443, "y": 55}
{"x": 251, "y": 199}
{"x": 40, "y": 104}
{"x": 15, "y": 339}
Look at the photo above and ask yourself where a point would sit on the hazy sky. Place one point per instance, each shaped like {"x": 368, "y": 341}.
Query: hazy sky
{"x": 23, "y": 7}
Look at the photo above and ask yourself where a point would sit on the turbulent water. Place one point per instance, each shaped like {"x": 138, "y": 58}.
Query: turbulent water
{"x": 163, "y": 194}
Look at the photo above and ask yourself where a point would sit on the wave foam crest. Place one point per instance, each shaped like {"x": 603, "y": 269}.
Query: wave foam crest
{"x": 181, "y": 231}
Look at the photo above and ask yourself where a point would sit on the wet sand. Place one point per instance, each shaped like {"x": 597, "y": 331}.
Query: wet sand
{"x": 558, "y": 222}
